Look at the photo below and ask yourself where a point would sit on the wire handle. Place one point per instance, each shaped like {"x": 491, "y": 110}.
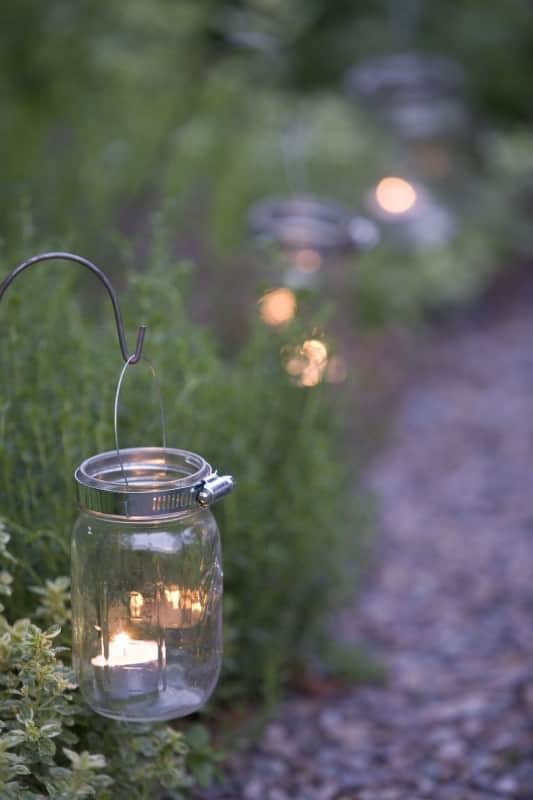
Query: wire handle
{"x": 135, "y": 357}
{"x": 117, "y": 402}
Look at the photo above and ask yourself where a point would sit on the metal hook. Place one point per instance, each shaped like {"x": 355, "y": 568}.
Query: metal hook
{"x": 135, "y": 357}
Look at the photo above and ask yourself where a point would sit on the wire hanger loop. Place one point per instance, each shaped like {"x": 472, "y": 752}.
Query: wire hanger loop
{"x": 116, "y": 405}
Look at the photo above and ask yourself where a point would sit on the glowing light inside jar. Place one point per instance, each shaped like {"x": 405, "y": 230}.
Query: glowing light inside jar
{"x": 395, "y": 195}
{"x": 124, "y": 652}
{"x": 133, "y": 667}
{"x": 278, "y": 307}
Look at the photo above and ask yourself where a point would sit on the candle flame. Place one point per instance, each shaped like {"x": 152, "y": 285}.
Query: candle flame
{"x": 121, "y": 639}
{"x": 124, "y": 652}
{"x": 395, "y": 195}
{"x": 121, "y": 642}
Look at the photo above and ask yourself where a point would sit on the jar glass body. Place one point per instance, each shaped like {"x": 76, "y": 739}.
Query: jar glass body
{"x": 309, "y": 240}
{"x": 146, "y": 607}
{"x": 421, "y": 99}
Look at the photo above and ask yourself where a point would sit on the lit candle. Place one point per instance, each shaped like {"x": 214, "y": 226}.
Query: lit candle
{"x": 131, "y": 668}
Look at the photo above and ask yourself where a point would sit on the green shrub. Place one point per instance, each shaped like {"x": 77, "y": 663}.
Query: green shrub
{"x": 50, "y": 746}
{"x": 285, "y": 530}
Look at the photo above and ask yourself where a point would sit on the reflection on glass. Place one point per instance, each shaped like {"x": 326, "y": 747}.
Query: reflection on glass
{"x": 181, "y": 608}
{"x": 136, "y": 605}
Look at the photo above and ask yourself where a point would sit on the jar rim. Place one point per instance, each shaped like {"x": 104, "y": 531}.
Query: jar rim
{"x": 141, "y": 481}
{"x": 426, "y": 75}
{"x": 302, "y": 221}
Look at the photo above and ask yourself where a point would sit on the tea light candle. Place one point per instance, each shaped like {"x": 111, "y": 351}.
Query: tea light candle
{"x": 132, "y": 667}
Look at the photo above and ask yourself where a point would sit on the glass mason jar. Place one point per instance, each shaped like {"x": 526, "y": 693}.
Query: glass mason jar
{"x": 303, "y": 233}
{"x": 419, "y": 96}
{"x": 147, "y": 583}
{"x": 422, "y": 100}
{"x": 410, "y": 216}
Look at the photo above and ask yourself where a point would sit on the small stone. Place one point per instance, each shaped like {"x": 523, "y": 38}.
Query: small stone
{"x": 453, "y": 750}
{"x": 277, "y": 794}
{"x": 254, "y": 790}
{"x": 426, "y": 787}
{"x": 276, "y": 740}
{"x": 507, "y": 785}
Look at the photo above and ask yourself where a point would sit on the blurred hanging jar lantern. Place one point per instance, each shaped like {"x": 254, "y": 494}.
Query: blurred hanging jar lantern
{"x": 146, "y": 570}
{"x": 421, "y": 99}
{"x": 306, "y": 237}
{"x": 409, "y": 215}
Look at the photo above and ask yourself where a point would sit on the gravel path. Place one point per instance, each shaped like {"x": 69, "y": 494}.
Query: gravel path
{"x": 449, "y": 607}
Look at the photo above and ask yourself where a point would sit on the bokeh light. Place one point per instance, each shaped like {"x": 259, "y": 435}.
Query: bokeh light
{"x": 395, "y": 195}
{"x": 278, "y": 307}
{"x": 307, "y": 363}
{"x": 315, "y": 351}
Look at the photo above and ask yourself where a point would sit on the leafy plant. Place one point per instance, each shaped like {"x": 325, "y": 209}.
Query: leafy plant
{"x": 282, "y": 547}
{"x": 51, "y": 746}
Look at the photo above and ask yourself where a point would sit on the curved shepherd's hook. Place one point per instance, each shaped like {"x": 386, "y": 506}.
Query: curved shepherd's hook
{"x": 131, "y": 359}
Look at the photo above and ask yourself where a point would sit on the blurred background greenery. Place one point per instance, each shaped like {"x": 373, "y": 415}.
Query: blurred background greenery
{"x": 139, "y": 135}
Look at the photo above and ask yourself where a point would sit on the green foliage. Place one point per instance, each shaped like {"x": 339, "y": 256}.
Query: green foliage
{"x": 54, "y": 600}
{"x": 177, "y": 113}
{"x": 350, "y": 665}
{"x": 38, "y": 714}
{"x": 51, "y": 746}
{"x": 202, "y": 760}
{"x": 6, "y": 579}
{"x": 144, "y": 759}
{"x": 155, "y": 107}
{"x": 317, "y": 40}
{"x": 282, "y": 547}
{"x": 401, "y": 285}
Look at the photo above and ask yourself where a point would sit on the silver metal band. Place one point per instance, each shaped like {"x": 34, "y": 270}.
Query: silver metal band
{"x": 148, "y": 482}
